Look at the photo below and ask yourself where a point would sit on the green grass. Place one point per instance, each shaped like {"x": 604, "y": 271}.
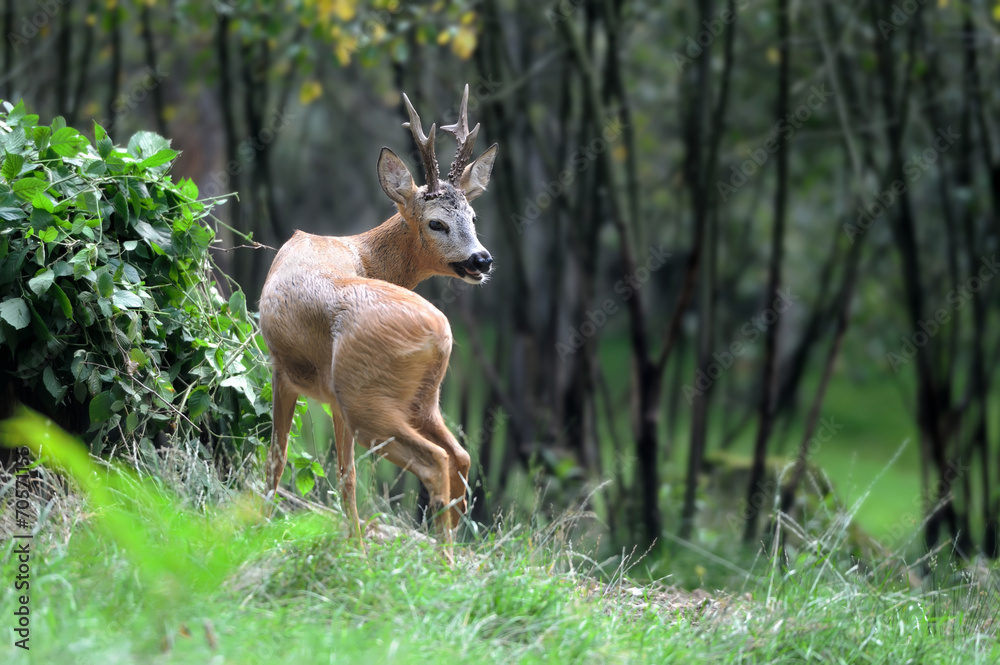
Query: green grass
{"x": 135, "y": 574}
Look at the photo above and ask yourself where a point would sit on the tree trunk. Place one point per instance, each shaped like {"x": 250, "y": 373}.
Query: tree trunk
{"x": 765, "y": 411}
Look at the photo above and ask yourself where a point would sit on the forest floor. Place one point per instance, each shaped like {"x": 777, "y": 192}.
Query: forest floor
{"x": 122, "y": 570}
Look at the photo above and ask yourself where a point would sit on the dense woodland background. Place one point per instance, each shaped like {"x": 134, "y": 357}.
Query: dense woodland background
{"x": 733, "y": 239}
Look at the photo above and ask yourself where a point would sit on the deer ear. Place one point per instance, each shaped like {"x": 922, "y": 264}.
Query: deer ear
{"x": 476, "y": 175}
{"x": 395, "y": 178}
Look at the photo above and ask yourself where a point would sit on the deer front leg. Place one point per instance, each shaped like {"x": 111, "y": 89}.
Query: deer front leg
{"x": 277, "y": 454}
{"x": 345, "y": 470}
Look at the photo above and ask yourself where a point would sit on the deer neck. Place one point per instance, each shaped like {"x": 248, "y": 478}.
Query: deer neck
{"x": 392, "y": 252}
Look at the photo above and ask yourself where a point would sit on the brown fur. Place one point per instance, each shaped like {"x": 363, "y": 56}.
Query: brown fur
{"x": 343, "y": 327}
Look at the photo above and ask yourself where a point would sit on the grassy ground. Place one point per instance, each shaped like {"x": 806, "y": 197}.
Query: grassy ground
{"x": 123, "y": 571}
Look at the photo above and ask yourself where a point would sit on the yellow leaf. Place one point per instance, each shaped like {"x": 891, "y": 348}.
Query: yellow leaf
{"x": 942, "y": 4}
{"x": 443, "y": 38}
{"x": 619, "y": 153}
{"x": 345, "y": 48}
{"x": 111, "y": 4}
{"x": 464, "y": 42}
{"x": 772, "y": 55}
{"x": 310, "y": 92}
{"x": 169, "y": 112}
{"x": 996, "y": 12}
{"x": 468, "y": 18}
{"x": 345, "y": 9}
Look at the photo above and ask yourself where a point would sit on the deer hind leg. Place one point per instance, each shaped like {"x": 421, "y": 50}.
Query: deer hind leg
{"x": 408, "y": 449}
{"x": 345, "y": 469}
{"x": 281, "y": 423}
{"x": 458, "y": 462}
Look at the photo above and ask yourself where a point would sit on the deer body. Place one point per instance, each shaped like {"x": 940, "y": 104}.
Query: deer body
{"x": 344, "y": 327}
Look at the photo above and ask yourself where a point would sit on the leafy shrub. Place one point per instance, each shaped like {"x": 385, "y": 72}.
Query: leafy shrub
{"x": 110, "y": 319}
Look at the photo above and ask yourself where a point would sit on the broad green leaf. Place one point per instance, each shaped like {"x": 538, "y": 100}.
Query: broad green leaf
{"x": 43, "y": 201}
{"x": 238, "y": 305}
{"x": 67, "y": 141}
{"x": 105, "y": 284}
{"x": 104, "y": 147}
{"x": 143, "y": 145}
{"x": 138, "y": 357}
{"x": 161, "y": 157}
{"x": 304, "y": 481}
{"x": 131, "y": 422}
{"x": 56, "y": 389}
{"x": 199, "y": 402}
{"x": 27, "y": 188}
{"x": 12, "y": 214}
{"x": 64, "y": 303}
{"x": 15, "y": 312}
{"x": 12, "y": 164}
{"x": 41, "y": 282}
{"x": 48, "y": 235}
{"x": 126, "y": 300}
{"x": 100, "y": 407}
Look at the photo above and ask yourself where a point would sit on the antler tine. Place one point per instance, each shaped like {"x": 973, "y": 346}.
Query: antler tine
{"x": 466, "y": 139}
{"x": 426, "y": 146}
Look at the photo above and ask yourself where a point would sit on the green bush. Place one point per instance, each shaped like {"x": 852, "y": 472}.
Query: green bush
{"x": 110, "y": 317}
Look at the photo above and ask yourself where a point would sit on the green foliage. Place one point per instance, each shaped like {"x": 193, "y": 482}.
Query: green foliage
{"x": 108, "y": 308}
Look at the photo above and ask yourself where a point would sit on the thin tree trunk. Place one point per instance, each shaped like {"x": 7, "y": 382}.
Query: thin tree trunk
{"x": 768, "y": 374}
{"x": 157, "y": 91}
{"x": 63, "y": 50}
{"x": 86, "y": 52}
{"x": 115, "y": 70}
{"x": 8, "y": 47}
{"x": 979, "y": 386}
{"x": 930, "y": 410}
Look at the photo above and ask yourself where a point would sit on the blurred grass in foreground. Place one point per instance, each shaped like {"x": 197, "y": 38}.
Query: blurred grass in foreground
{"x": 131, "y": 574}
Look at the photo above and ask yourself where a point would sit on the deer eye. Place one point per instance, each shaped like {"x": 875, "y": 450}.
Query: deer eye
{"x": 436, "y": 225}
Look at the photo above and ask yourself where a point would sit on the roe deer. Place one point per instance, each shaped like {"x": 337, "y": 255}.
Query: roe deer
{"x": 343, "y": 326}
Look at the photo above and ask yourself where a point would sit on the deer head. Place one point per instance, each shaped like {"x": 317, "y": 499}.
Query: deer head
{"x": 438, "y": 213}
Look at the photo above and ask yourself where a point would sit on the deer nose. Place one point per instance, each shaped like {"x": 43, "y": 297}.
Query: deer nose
{"x": 481, "y": 261}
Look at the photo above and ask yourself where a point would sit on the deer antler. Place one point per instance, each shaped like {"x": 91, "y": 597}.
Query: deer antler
{"x": 466, "y": 139}
{"x": 426, "y": 146}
